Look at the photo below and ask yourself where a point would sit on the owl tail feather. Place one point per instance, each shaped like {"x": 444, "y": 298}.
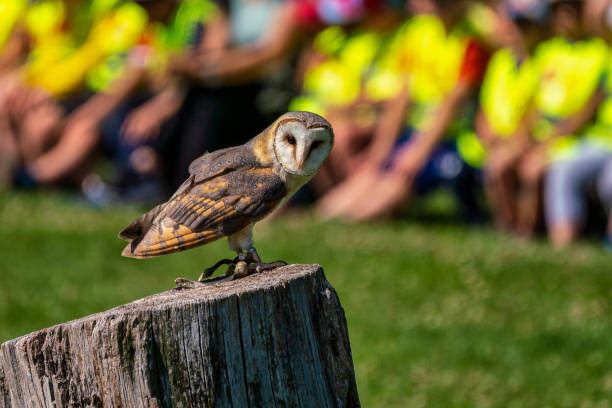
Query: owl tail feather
{"x": 129, "y": 249}
{"x": 137, "y": 228}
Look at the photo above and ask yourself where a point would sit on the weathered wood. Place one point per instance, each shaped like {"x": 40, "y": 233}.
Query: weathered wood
{"x": 268, "y": 340}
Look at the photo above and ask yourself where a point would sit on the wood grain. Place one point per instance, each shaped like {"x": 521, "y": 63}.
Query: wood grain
{"x": 277, "y": 339}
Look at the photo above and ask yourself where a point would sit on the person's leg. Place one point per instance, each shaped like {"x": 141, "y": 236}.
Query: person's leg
{"x": 529, "y": 203}
{"x": 566, "y": 188}
{"x": 604, "y": 190}
{"x": 390, "y": 191}
{"x": 466, "y": 186}
{"x": 351, "y": 193}
{"x": 392, "y": 188}
{"x": 564, "y": 203}
{"x": 500, "y": 188}
{"x": 357, "y": 192}
{"x": 9, "y": 152}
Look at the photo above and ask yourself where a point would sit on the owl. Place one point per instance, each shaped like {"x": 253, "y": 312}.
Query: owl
{"x": 229, "y": 190}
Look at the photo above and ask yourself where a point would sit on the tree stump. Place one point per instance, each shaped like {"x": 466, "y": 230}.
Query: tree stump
{"x": 273, "y": 339}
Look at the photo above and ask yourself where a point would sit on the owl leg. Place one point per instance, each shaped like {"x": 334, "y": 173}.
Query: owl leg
{"x": 229, "y": 273}
{"x": 253, "y": 258}
{"x": 209, "y": 271}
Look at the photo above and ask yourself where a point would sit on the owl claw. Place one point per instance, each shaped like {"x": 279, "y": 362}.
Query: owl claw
{"x": 260, "y": 266}
{"x": 239, "y": 267}
{"x": 209, "y": 271}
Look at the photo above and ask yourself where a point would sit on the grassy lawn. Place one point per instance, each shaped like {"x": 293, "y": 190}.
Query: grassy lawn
{"x": 439, "y": 315}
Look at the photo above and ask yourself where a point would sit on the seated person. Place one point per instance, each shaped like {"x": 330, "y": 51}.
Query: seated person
{"x": 124, "y": 84}
{"x": 250, "y": 75}
{"x": 506, "y": 95}
{"x": 346, "y": 79}
{"x": 444, "y": 75}
{"x": 571, "y": 68}
{"x": 69, "y": 40}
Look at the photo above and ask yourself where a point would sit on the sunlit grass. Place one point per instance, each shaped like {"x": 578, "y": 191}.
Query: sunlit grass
{"x": 439, "y": 315}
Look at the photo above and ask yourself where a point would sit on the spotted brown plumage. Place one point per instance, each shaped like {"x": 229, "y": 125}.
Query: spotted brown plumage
{"x": 224, "y": 198}
{"x": 231, "y": 189}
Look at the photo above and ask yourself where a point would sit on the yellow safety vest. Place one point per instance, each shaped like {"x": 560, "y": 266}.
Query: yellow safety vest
{"x": 338, "y": 80}
{"x": 180, "y": 32}
{"x": 600, "y": 132}
{"x": 569, "y": 74}
{"x": 430, "y": 59}
{"x": 11, "y": 12}
{"x": 112, "y": 32}
{"x": 433, "y": 61}
{"x": 506, "y": 91}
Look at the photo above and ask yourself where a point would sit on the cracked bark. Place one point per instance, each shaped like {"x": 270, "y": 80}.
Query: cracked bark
{"x": 278, "y": 339}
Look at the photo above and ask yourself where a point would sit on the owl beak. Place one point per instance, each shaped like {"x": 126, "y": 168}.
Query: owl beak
{"x": 301, "y": 154}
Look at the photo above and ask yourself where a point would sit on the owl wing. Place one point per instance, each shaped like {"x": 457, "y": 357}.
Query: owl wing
{"x": 211, "y": 165}
{"x": 204, "y": 168}
{"x": 201, "y": 212}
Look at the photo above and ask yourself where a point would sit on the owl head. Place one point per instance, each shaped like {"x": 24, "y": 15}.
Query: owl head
{"x": 302, "y": 142}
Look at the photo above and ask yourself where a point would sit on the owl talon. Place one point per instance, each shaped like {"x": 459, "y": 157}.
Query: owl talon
{"x": 260, "y": 266}
{"x": 209, "y": 271}
{"x": 230, "y": 270}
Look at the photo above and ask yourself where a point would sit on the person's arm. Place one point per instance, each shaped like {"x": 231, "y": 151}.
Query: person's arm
{"x": 484, "y": 132}
{"x": 426, "y": 140}
{"x": 389, "y": 126}
{"x": 576, "y": 121}
{"x": 216, "y": 36}
{"x": 249, "y": 61}
{"x": 536, "y": 157}
{"x": 144, "y": 122}
{"x": 14, "y": 52}
{"x": 79, "y": 131}
{"x": 103, "y": 103}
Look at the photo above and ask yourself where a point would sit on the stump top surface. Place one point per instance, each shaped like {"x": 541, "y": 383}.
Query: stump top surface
{"x": 205, "y": 293}
{"x": 252, "y": 283}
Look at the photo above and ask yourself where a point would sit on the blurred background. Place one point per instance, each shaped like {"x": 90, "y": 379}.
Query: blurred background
{"x": 464, "y": 215}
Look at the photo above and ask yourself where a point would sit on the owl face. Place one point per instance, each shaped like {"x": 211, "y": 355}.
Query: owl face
{"x": 301, "y": 150}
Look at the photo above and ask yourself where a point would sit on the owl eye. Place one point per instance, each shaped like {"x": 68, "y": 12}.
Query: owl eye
{"x": 290, "y": 139}
{"x": 315, "y": 144}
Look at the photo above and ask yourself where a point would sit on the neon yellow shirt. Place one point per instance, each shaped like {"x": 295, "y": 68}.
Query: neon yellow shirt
{"x": 507, "y": 91}
{"x": 11, "y": 12}
{"x": 62, "y": 58}
{"x": 570, "y": 73}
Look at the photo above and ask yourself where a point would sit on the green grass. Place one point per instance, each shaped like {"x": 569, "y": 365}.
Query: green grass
{"x": 439, "y": 315}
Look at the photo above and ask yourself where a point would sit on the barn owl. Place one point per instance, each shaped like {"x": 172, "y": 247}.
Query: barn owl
{"x": 229, "y": 190}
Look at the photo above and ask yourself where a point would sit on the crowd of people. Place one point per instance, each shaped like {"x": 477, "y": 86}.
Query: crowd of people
{"x": 512, "y": 98}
